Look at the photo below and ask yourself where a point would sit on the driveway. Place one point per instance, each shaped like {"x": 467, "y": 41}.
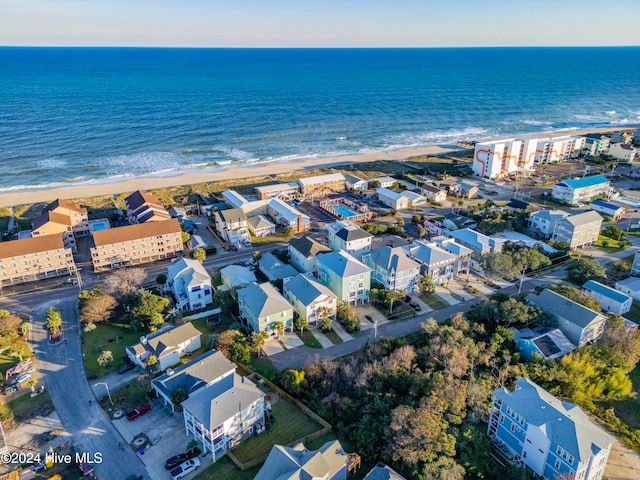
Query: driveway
{"x": 290, "y": 340}
{"x": 272, "y": 346}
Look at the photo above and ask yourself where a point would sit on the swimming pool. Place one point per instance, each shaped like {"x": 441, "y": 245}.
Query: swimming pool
{"x": 344, "y": 211}
{"x": 99, "y": 226}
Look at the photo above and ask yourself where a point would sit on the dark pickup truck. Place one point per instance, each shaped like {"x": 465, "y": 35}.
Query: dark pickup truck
{"x": 138, "y": 412}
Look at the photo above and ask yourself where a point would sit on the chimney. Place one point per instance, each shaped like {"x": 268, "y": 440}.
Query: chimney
{"x": 143, "y": 340}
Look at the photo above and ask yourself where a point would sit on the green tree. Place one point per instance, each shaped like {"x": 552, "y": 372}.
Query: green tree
{"x": 199, "y": 254}
{"x": 326, "y": 324}
{"x": 391, "y": 297}
{"x": 421, "y": 232}
{"x": 161, "y": 279}
{"x": 348, "y": 315}
{"x": 148, "y": 309}
{"x": 576, "y": 295}
{"x": 426, "y": 285}
{"x": 240, "y": 353}
{"x": 25, "y": 328}
{"x": 31, "y": 383}
{"x": 227, "y": 339}
{"x": 105, "y": 358}
{"x": 613, "y": 232}
{"x": 292, "y": 379}
{"x": 179, "y": 395}
{"x": 278, "y": 328}
{"x": 400, "y": 222}
{"x": 89, "y": 327}
{"x": 4, "y": 313}
{"x": 581, "y": 270}
{"x": 258, "y": 340}
{"x": 499, "y": 265}
{"x": 54, "y": 320}
{"x": 301, "y": 323}
{"x": 529, "y": 260}
{"x": 186, "y": 236}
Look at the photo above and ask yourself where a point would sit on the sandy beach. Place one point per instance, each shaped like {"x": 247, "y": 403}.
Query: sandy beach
{"x": 27, "y": 196}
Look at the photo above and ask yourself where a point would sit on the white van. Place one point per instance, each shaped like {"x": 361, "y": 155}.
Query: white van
{"x": 185, "y": 469}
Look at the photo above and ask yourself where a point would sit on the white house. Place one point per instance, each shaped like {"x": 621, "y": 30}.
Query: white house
{"x": 393, "y": 269}
{"x": 190, "y": 284}
{"x": 232, "y": 225}
{"x": 384, "y": 182}
{"x": 303, "y": 251}
{"x": 233, "y": 199}
{"x": 614, "y": 211}
{"x": 610, "y": 299}
{"x": 236, "y": 276}
{"x": 580, "y": 324}
{"x": 307, "y": 296}
{"x": 581, "y": 190}
{"x": 433, "y": 193}
{"x": 168, "y": 345}
{"x": 400, "y": 200}
{"x": 479, "y": 243}
{"x": 347, "y": 236}
{"x": 629, "y": 286}
{"x": 356, "y": 183}
{"x": 544, "y": 221}
{"x": 440, "y": 265}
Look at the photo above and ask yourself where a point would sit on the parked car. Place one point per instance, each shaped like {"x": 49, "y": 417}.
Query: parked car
{"x": 185, "y": 468}
{"x": 86, "y": 468}
{"x": 233, "y": 248}
{"x": 126, "y": 367}
{"x": 415, "y": 306}
{"x": 138, "y": 412}
{"x": 172, "y": 462}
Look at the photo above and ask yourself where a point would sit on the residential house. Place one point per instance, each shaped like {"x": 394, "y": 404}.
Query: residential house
{"x": 190, "y": 284}
{"x": 347, "y": 236}
{"x": 356, "y": 183}
{"x": 287, "y": 216}
{"x": 382, "y": 182}
{"x": 283, "y": 191}
{"x": 345, "y": 276}
{"x": 611, "y": 300}
{"x": 233, "y": 199}
{"x": 34, "y": 258}
{"x": 303, "y": 251}
{"x": 260, "y": 226}
{"x": 199, "y": 373}
{"x": 64, "y": 218}
{"x": 579, "y": 230}
{"x": 596, "y": 144}
{"x": 548, "y": 343}
{"x": 236, "y": 276}
{"x": 624, "y": 152}
{"x": 552, "y": 437}
{"x": 580, "y": 324}
{"x": 388, "y": 240}
{"x": 467, "y": 190}
{"x": 614, "y": 211}
{"x": 178, "y": 212}
{"x": 322, "y": 185}
{"x": 168, "y": 345}
{"x": 479, "y": 243}
{"x": 132, "y": 244}
{"x": 622, "y": 137}
{"x": 515, "y": 204}
{"x": 544, "y": 221}
{"x": 275, "y": 269}
{"x": 440, "y": 265}
{"x": 582, "y": 190}
{"x": 329, "y": 462}
{"x": 463, "y": 253}
{"x": 307, "y": 296}
{"x": 261, "y": 305}
{"x": 383, "y": 472}
{"x": 635, "y": 266}
{"x": 232, "y": 225}
{"x": 433, "y": 193}
{"x": 393, "y": 269}
{"x": 629, "y": 286}
{"x": 143, "y": 207}
{"x": 196, "y": 241}
{"x": 453, "y": 221}
{"x": 400, "y": 200}
{"x": 225, "y": 411}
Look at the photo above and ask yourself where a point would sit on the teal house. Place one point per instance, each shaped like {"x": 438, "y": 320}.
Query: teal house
{"x": 261, "y": 305}
{"x": 345, "y": 276}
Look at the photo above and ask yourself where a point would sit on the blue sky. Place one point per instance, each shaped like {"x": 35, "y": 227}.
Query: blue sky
{"x": 319, "y": 23}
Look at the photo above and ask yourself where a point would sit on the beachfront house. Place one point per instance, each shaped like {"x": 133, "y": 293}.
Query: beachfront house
{"x": 168, "y": 345}
{"x": 307, "y": 296}
{"x": 233, "y": 199}
{"x": 624, "y": 152}
{"x": 582, "y": 190}
{"x": 393, "y": 269}
{"x": 143, "y": 207}
{"x": 439, "y": 264}
{"x": 232, "y": 225}
{"x": 551, "y": 437}
{"x": 580, "y": 324}
{"x": 579, "y": 230}
{"x": 596, "y": 144}
{"x": 190, "y": 284}
{"x": 356, "y": 183}
{"x": 62, "y": 217}
{"x": 382, "y": 182}
{"x": 261, "y": 305}
{"x": 611, "y": 300}
{"x": 303, "y": 251}
{"x": 133, "y": 244}
{"x": 345, "y": 276}
{"x": 329, "y": 462}
{"x": 347, "y": 236}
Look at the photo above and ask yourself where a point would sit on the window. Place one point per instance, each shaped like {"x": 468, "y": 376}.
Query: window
{"x": 513, "y": 427}
{"x": 557, "y": 464}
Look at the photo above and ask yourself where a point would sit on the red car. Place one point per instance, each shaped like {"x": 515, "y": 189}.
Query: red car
{"x": 138, "y": 412}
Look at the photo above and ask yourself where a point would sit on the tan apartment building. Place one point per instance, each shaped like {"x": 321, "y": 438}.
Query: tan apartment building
{"x": 143, "y": 207}
{"x": 34, "y": 258}
{"x": 132, "y": 244}
{"x": 322, "y": 185}
{"x": 63, "y": 218}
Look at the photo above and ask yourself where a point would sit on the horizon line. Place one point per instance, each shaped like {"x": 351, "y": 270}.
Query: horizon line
{"x": 320, "y": 47}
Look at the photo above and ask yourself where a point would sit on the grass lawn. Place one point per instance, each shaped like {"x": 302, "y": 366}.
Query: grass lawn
{"x": 333, "y": 336}
{"x": 5, "y": 214}
{"x": 433, "y": 301}
{"x": 106, "y": 337}
{"x": 227, "y": 470}
{"x": 133, "y": 394}
{"x": 290, "y": 424}
{"x": 309, "y": 340}
{"x": 634, "y": 313}
{"x": 25, "y": 408}
{"x": 612, "y": 245}
{"x": 8, "y": 360}
{"x": 402, "y": 312}
{"x": 628, "y": 410}
{"x": 259, "y": 241}
{"x": 265, "y": 368}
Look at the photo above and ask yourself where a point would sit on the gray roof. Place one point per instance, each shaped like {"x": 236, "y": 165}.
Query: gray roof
{"x": 274, "y": 268}
{"x": 583, "y": 218}
{"x": 166, "y": 341}
{"x": 632, "y": 283}
{"x": 561, "y": 306}
{"x": 298, "y": 463}
{"x": 429, "y": 253}
{"x": 307, "y": 289}
{"x": 307, "y": 246}
{"x": 188, "y": 272}
{"x": 564, "y": 423}
{"x": 450, "y": 245}
{"x": 214, "y": 405}
{"x": 550, "y": 215}
{"x": 260, "y": 221}
{"x": 196, "y": 374}
{"x": 233, "y": 215}
{"x": 391, "y": 259}
{"x": 352, "y": 179}
{"x": 477, "y": 239}
{"x": 238, "y": 275}
{"x": 263, "y": 299}
{"x": 350, "y": 233}
{"x": 343, "y": 264}
{"x": 383, "y": 472}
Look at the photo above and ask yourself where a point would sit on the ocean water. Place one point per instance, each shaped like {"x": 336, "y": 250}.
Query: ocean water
{"x": 78, "y": 115}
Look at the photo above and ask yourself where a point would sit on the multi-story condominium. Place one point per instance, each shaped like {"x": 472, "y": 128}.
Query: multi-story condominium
{"x": 393, "y": 269}
{"x": 329, "y": 462}
{"x": 356, "y": 183}
{"x": 614, "y": 211}
{"x": 303, "y": 251}
{"x": 283, "y": 191}
{"x": 556, "y": 149}
{"x": 579, "y": 230}
{"x": 582, "y": 190}
{"x": 347, "y": 236}
{"x": 580, "y": 324}
{"x": 624, "y": 152}
{"x": 168, "y": 345}
{"x": 190, "y": 283}
{"x": 34, "y": 258}
{"x": 307, "y": 296}
{"x": 552, "y": 437}
{"x": 544, "y": 221}
{"x": 232, "y": 225}
{"x": 62, "y": 217}
{"x": 400, "y": 200}
{"x": 141, "y": 243}
{"x": 479, "y": 243}
{"x": 277, "y": 210}
{"x": 434, "y": 193}
{"x": 611, "y": 300}
{"x": 145, "y": 207}
{"x": 345, "y": 276}
{"x": 322, "y": 185}
{"x": 596, "y": 143}
{"x": 496, "y": 158}
{"x": 261, "y": 305}
{"x": 439, "y": 264}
